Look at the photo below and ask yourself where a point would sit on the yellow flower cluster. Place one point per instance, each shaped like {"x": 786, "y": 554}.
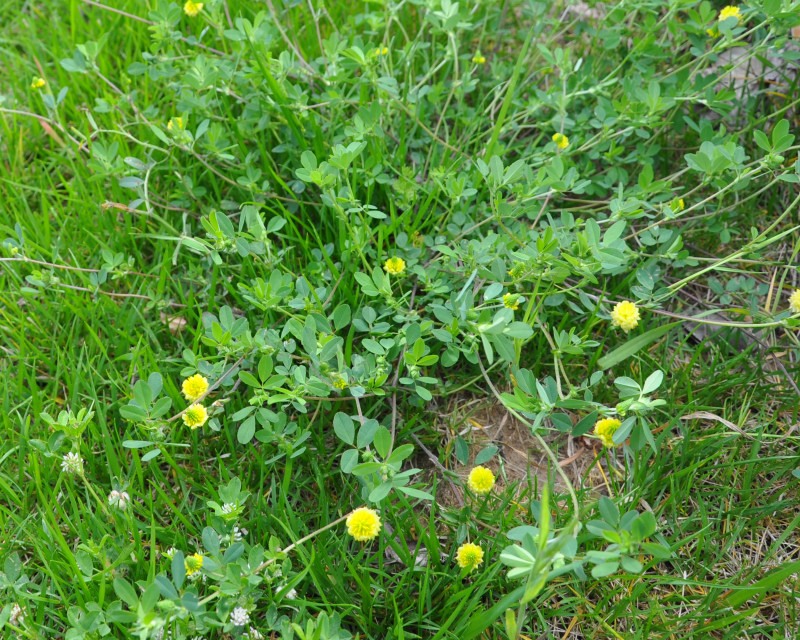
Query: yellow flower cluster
{"x": 605, "y": 430}
{"x": 394, "y": 266}
{"x": 195, "y": 416}
{"x": 511, "y": 301}
{"x": 479, "y": 58}
{"x": 562, "y": 141}
{"x": 480, "y": 480}
{"x": 192, "y": 9}
{"x": 176, "y": 124}
{"x": 469, "y": 556}
{"x": 194, "y": 388}
{"x": 363, "y": 524}
{"x": 193, "y": 563}
{"x": 38, "y": 83}
{"x": 625, "y": 315}
{"x": 794, "y": 301}
{"x": 730, "y": 11}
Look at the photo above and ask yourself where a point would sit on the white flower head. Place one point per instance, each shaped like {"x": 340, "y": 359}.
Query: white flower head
{"x": 238, "y": 534}
{"x": 17, "y": 616}
{"x": 71, "y": 463}
{"x": 119, "y": 499}
{"x": 169, "y": 553}
{"x": 240, "y": 617}
{"x": 228, "y": 508}
{"x": 253, "y": 634}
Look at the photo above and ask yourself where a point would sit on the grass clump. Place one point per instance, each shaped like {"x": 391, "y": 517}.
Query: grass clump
{"x": 399, "y": 320}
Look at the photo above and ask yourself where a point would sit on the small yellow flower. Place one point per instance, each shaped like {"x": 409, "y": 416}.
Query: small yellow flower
{"x": 469, "y": 556}
{"x": 395, "y": 266}
{"x": 363, "y": 524}
{"x": 339, "y": 383}
{"x": 511, "y": 301}
{"x": 381, "y": 51}
{"x": 479, "y": 58}
{"x": 605, "y": 429}
{"x": 713, "y": 32}
{"x": 193, "y": 563}
{"x": 192, "y": 9}
{"x": 194, "y": 387}
{"x": 730, "y": 12}
{"x": 794, "y": 301}
{"x": 677, "y": 204}
{"x": 625, "y": 315}
{"x": 195, "y": 416}
{"x": 38, "y": 83}
{"x": 562, "y": 141}
{"x": 175, "y": 124}
{"x": 481, "y": 480}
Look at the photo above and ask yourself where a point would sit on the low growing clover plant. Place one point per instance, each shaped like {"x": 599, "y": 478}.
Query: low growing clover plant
{"x": 358, "y": 244}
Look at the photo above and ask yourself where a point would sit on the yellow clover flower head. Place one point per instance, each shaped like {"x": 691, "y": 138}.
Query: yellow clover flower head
{"x": 481, "y": 480}
{"x": 625, "y": 315}
{"x": 193, "y": 563}
{"x": 339, "y": 383}
{"x": 38, "y": 83}
{"x": 176, "y": 124}
{"x": 605, "y": 429}
{"x": 192, "y": 9}
{"x": 730, "y": 11}
{"x": 479, "y": 58}
{"x": 677, "y": 204}
{"x": 562, "y": 141}
{"x": 194, "y": 387}
{"x": 511, "y": 301}
{"x": 363, "y": 524}
{"x": 195, "y": 416}
{"x": 794, "y": 301}
{"x": 469, "y": 556}
{"x": 381, "y": 51}
{"x": 394, "y": 266}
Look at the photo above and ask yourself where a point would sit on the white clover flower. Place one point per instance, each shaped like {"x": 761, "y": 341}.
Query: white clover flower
{"x": 71, "y": 463}
{"x": 169, "y": 553}
{"x": 253, "y": 634}
{"x": 238, "y": 534}
{"x": 291, "y": 594}
{"x": 228, "y": 508}
{"x": 240, "y": 617}
{"x": 119, "y": 499}
{"x": 17, "y": 616}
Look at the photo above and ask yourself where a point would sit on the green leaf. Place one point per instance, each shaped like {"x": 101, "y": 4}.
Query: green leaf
{"x": 246, "y": 430}
{"x": 416, "y": 493}
{"x": 462, "y": 450}
{"x": 349, "y": 460}
{"x": 382, "y": 441}
{"x": 366, "y": 433}
{"x": 125, "y": 592}
{"x": 380, "y": 492}
{"x": 344, "y": 428}
{"x": 605, "y": 569}
{"x": 486, "y": 454}
{"x": 634, "y": 345}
